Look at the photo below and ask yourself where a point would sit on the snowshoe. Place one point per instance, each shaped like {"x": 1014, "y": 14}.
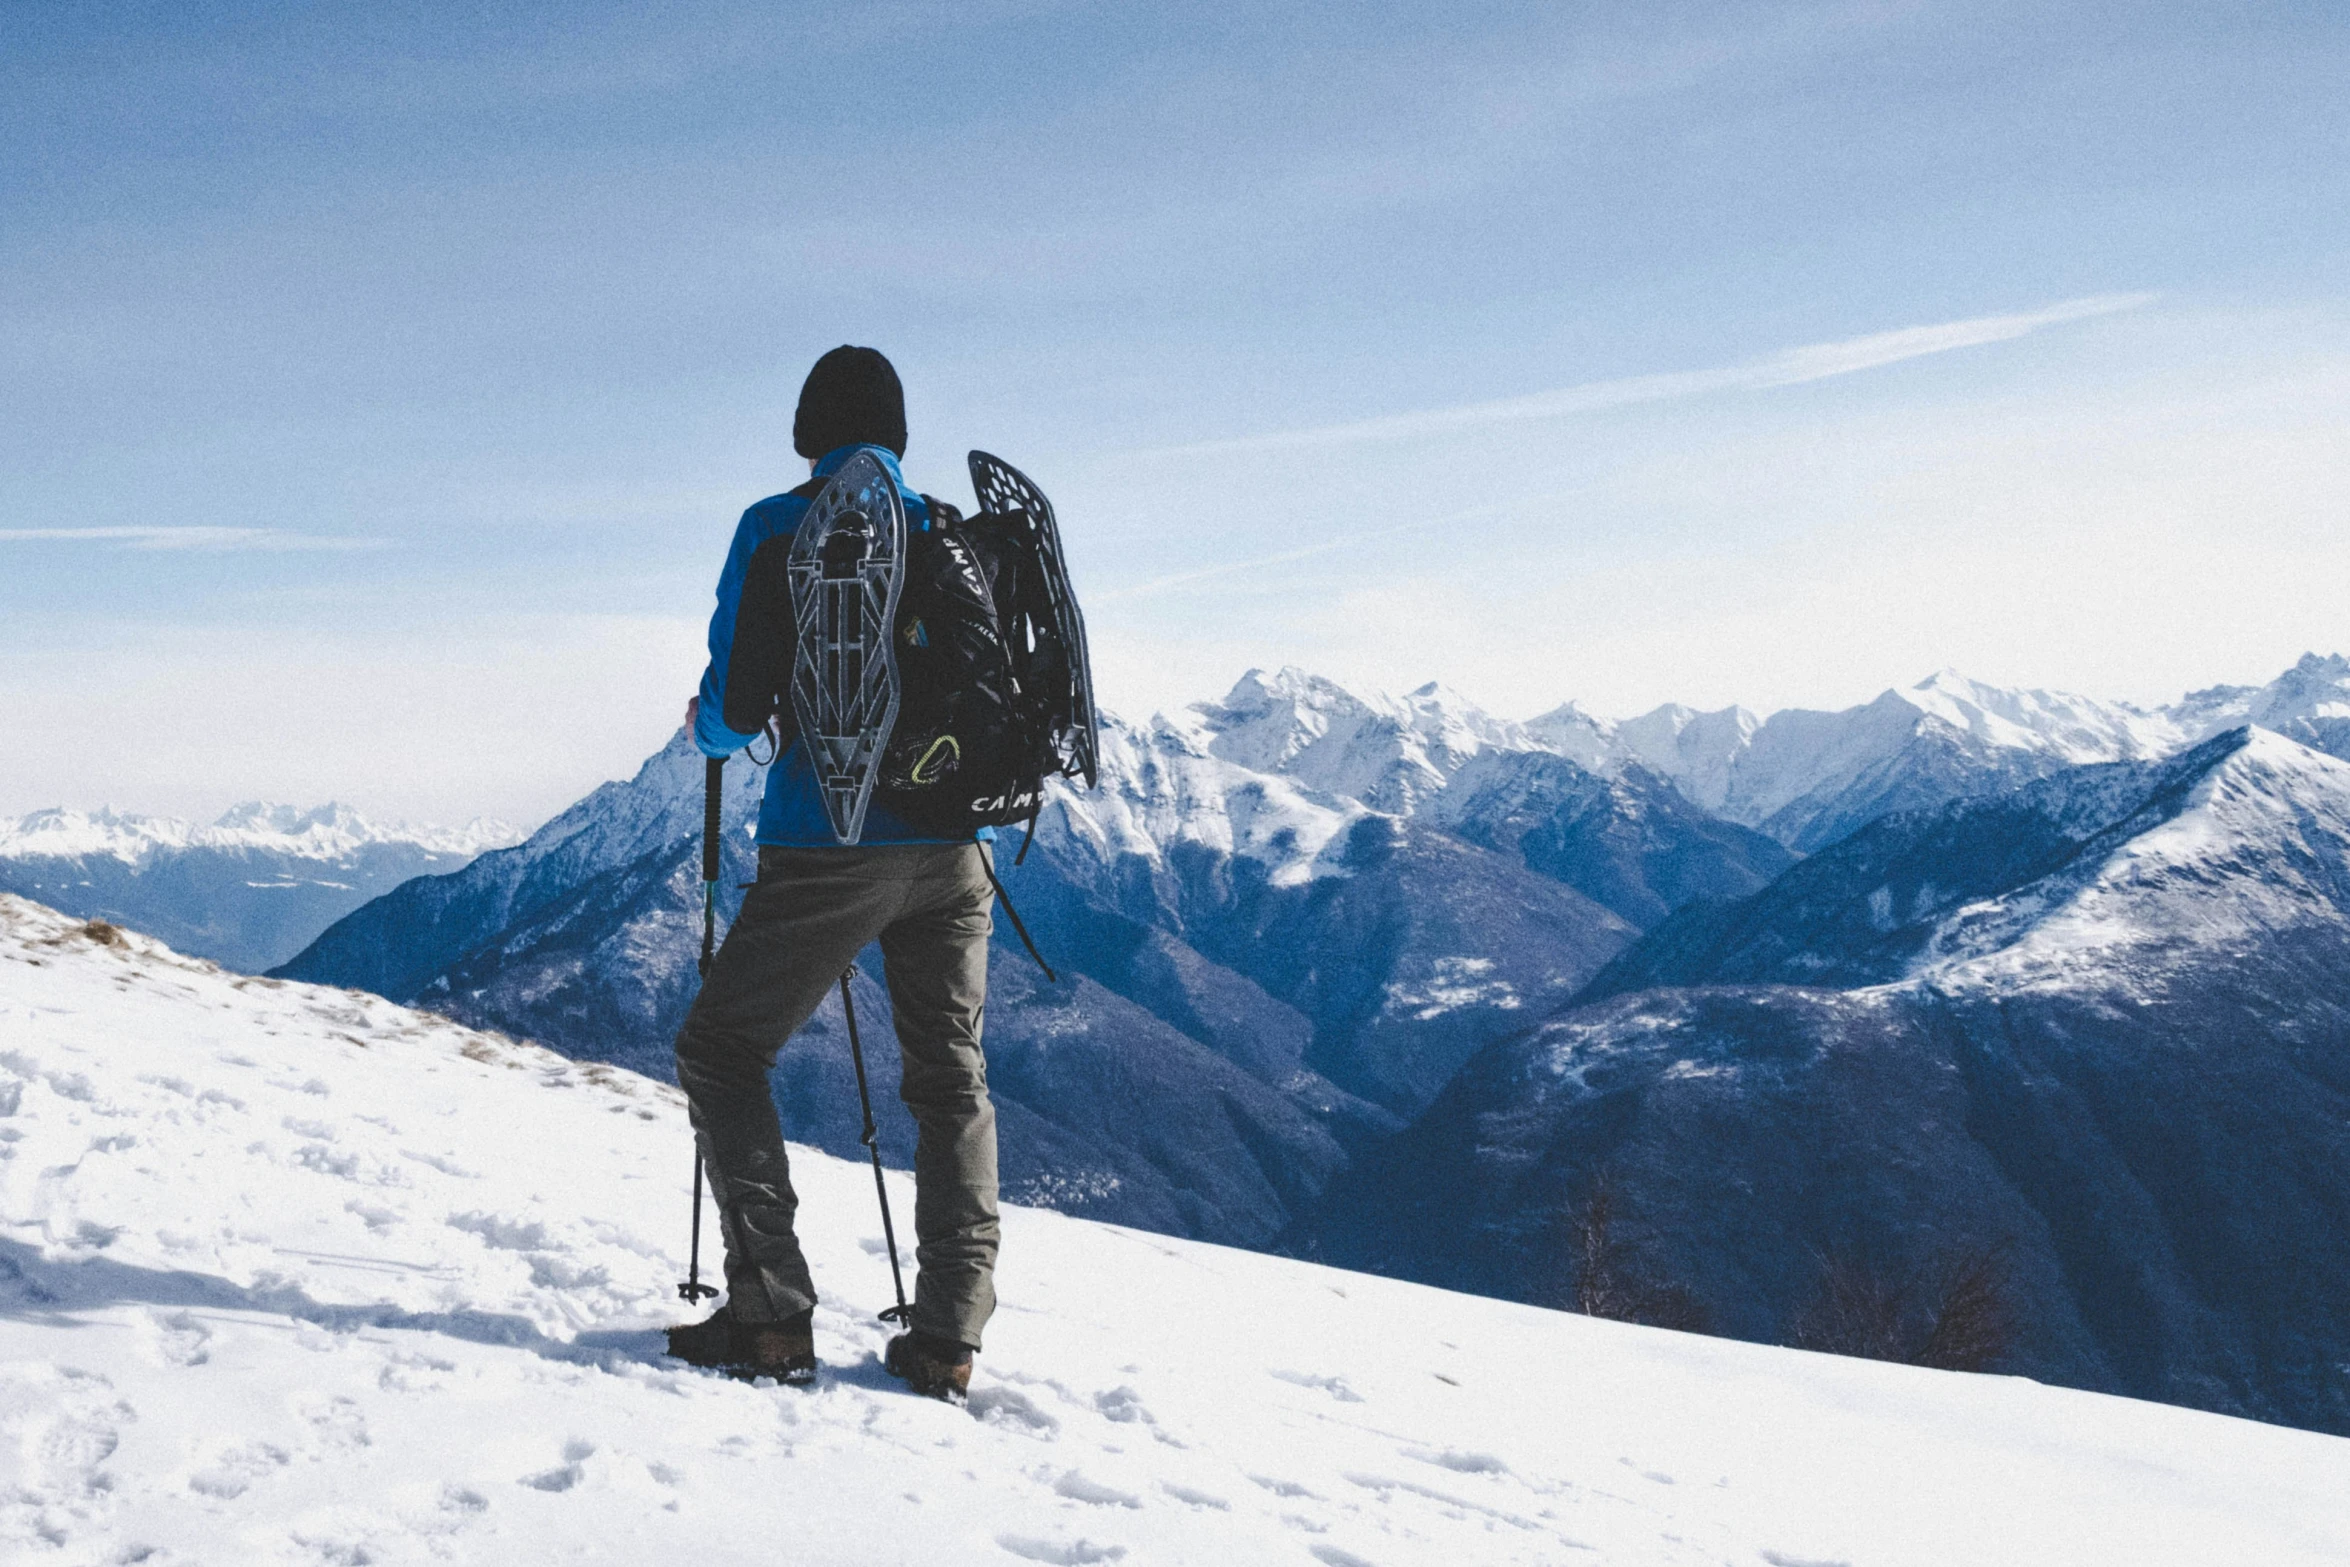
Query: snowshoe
{"x": 934, "y": 1367}
{"x": 1009, "y": 499}
{"x": 847, "y": 568}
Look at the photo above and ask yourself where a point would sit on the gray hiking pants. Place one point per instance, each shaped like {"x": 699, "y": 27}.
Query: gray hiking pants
{"x": 801, "y": 925}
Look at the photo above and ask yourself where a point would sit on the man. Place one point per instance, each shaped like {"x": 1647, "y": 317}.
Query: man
{"x": 813, "y": 908}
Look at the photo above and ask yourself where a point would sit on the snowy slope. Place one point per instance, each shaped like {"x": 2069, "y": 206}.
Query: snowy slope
{"x": 249, "y": 890}
{"x": 2254, "y": 851}
{"x": 290, "y": 1274}
{"x": 2309, "y": 702}
{"x": 1278, "y": 771}
{"x": 2109, "y": 876}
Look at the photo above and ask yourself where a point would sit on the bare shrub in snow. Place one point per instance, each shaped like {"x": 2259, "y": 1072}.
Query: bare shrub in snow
{"x": 1952, "y": 1313}
{"x": 1610, "y": 1281}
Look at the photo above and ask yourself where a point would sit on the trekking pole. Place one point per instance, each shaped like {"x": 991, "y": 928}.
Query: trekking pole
{"x": 901, "y": 1313}
{"x": 713, "y": 797}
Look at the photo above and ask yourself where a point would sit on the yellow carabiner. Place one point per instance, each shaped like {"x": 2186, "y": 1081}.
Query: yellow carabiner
{"x": 921, "y": 772}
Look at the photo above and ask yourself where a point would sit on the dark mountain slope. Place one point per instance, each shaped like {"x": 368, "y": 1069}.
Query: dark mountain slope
{"x": 1630, "y": 842}
{"x": 2119, "y": 1049}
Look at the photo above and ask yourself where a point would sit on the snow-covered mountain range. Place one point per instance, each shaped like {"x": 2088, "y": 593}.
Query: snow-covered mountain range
{"x": 2098, "y": 1027}
{"x": 293, "y": 1274}
{"x": 1809, "y": 778}
{"x": 1272, "y": 966}
{"x": 249, "y": 890}
{"x": 1305, "y": 931}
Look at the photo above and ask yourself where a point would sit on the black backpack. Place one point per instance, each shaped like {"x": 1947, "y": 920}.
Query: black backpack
{"x": 984, "y": 671}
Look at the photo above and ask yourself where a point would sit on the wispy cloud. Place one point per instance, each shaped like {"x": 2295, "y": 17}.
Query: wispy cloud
{"x": 188, "y": 538}
{"x": 1791, "y": 367}
{"x": 1353, "y": 539}
{"x": 1185, "y": 579}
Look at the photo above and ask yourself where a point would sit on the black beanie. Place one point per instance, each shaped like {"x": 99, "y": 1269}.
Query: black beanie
{"x": 851, "y": 398}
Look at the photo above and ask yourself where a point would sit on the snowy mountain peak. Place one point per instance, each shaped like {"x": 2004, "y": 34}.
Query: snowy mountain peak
{"x": 1582, "y": 737}
{"x": 2302, "y": 702}
{"x": 250, "y": 890}
{"x": 268, "y": 816}
{"x": 1696, "y": 750}
{"x": 66, "y": 834}
{"x": 2059, "y": 723}
{"x": 2243, "y": 839}
{"x": 322, "y": 832}
{"x": 1386, "y": 752}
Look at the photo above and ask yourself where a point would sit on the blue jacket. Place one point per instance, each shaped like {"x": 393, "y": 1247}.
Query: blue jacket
{"x": 792, "y": 815}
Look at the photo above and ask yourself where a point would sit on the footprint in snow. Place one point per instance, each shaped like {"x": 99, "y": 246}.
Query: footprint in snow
{"x": 1070, "y": 1553}
{"x": 1465, "y": 1463}
{"x": 1124, "y": 1405}
{"x": 337, "y": 1423}
{"x": 178, "y": 1338}
{"x": 1077, "y": 1488}
{"x": 1013, "y": 1410}
{"x": 501, "y": 1231}
{"x": 1336, "y": 1387}
{"x": 569, "y": 1473}
{"x": 462, "y": 1501}
{"x": 67, "y": 1424}
{"x": 379, "y": 1220}
{"x": 1283, "y": 1487}
{"x": 233, "y": 1472}
{"x": 404, "y": 1372}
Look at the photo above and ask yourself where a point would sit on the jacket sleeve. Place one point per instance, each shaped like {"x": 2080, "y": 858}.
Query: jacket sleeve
{"x": 711, "y": 734}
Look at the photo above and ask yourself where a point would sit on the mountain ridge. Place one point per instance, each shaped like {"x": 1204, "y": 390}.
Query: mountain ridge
{"x": 250, "y": 889}
{"x": 2096, "y": 1026}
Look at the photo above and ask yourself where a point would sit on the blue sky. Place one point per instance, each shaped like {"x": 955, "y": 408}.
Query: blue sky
{"x": 382, "y": 383}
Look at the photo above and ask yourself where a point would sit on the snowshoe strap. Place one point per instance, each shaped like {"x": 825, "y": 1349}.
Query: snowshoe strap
{"x": 1029, "y": 839}
{"x": 987, "y": 864}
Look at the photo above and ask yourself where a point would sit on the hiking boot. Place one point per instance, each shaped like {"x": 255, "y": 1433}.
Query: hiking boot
{"x": 708, "y": 1343}
{"x": 933, "y": 1367}
{"x": 784, "y": 1350}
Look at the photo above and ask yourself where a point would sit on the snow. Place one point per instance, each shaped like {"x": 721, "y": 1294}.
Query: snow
{"x": 1288, "y": 761}
{"x": 1698, "y": 751}
{"x": 326, "y": 832}
{"x": 2313, "y": 688}
{"x": 2075, "y": 729}
{"x": 1751, "y": 769}
{"x": 1277, "y": 772}
{"x": 1163, "y": 786}
{"x": 2258, "y": 848}
{"x": 291, "y": 1274}
{"x": 1387, "y": 752}
{"x": 1451, "y": 984}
